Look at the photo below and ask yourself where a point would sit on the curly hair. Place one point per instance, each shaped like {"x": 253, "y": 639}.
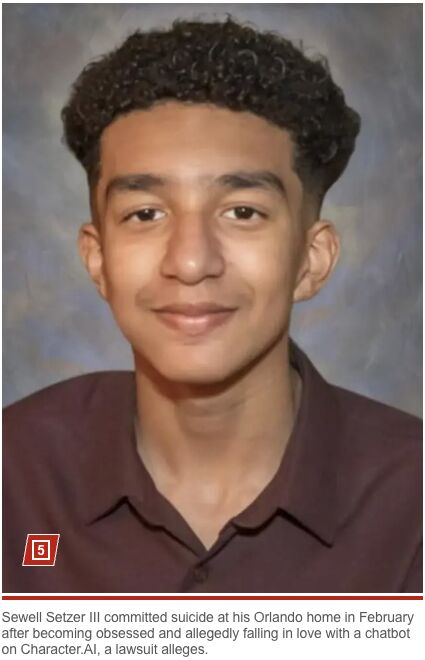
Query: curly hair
{"x": 229, "y": 65}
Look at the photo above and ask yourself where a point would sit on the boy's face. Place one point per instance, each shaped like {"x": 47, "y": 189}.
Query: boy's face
{"x": 198, "y": 204}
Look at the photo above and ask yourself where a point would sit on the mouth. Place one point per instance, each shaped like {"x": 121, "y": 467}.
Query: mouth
{"x": 194, "y": 319}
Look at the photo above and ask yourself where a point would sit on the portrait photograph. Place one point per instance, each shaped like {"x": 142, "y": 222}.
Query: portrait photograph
{"x": 212, "y": 298}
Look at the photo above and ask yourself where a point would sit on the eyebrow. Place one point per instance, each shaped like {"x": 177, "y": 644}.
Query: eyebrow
{"x": 238, "y": 180}
{"x": 130, "y": 182}
{"x": 260, "y": 179}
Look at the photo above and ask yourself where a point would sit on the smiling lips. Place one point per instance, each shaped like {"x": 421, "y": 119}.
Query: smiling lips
{"x": 194, "y": 319}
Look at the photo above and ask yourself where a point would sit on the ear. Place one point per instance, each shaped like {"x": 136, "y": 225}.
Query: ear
{"x": 90, "y": 248}
{"x": 320, "y": 257}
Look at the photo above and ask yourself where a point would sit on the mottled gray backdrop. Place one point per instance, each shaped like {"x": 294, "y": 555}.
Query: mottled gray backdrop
{"x": 362, "y": 331}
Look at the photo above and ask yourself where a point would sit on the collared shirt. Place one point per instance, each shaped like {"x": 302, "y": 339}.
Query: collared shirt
{"x": 342, "y": 513}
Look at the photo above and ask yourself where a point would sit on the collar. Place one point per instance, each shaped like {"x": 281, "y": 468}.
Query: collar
{"x": 109, "y": 468}
{"x": 305, "y": 487}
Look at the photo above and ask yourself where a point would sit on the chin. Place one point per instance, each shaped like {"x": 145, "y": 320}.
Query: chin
{"x": 193, "y": 373}
{"x": 193, "y": 367}
{"x": 210, "y": 364}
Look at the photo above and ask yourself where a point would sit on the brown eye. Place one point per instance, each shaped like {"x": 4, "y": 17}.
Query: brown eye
{"x": 243, "y": 213}
{"x": 145, "y": 215}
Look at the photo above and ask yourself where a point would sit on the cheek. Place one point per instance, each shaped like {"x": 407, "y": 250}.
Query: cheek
{"x": 126, "y": 268}
{"x": 128, "y": 271}
{"x": 268, "y": 268}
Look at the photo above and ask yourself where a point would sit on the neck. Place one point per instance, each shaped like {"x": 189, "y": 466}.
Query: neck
{"x": 218, "y": 433}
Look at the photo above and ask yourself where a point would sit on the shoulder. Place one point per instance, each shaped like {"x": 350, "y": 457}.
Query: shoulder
{"x": 76, "y": 389}
{"x": 63, "y": 405}
{"x": 378, "y": 438}
{"x": 380, "y": 454}
{"x": 377, "y": 426}
{"x": 378, "y": 476}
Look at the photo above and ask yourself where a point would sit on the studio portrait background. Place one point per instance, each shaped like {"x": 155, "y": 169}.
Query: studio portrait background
{"x": 362, "y": 331}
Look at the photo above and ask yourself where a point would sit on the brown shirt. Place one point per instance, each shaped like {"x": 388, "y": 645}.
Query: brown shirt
{"x": 342, "y": 514}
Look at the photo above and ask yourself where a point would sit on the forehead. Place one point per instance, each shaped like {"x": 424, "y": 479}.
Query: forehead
{"x": 193, "y": 141}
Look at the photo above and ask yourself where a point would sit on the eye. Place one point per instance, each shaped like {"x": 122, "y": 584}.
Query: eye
{"x": 243, "y": 213}
{"x": 147, "y": 214}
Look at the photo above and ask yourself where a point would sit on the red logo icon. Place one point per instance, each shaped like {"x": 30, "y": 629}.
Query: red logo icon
{"x": 41, "y": 549}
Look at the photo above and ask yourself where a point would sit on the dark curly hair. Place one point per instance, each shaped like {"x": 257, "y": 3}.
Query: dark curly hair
{"x": 229, "y": 65}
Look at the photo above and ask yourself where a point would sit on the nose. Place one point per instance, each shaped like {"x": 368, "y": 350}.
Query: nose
{"x": 193, "y": 252}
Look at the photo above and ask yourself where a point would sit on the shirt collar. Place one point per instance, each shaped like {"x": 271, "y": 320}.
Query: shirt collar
{"x": 306, "y": 485}
{"x": 109, "y": 468}
{"x": 313, "y": 485}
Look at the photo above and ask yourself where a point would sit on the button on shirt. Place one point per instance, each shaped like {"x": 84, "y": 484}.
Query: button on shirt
{"x": 341, "y": 514}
